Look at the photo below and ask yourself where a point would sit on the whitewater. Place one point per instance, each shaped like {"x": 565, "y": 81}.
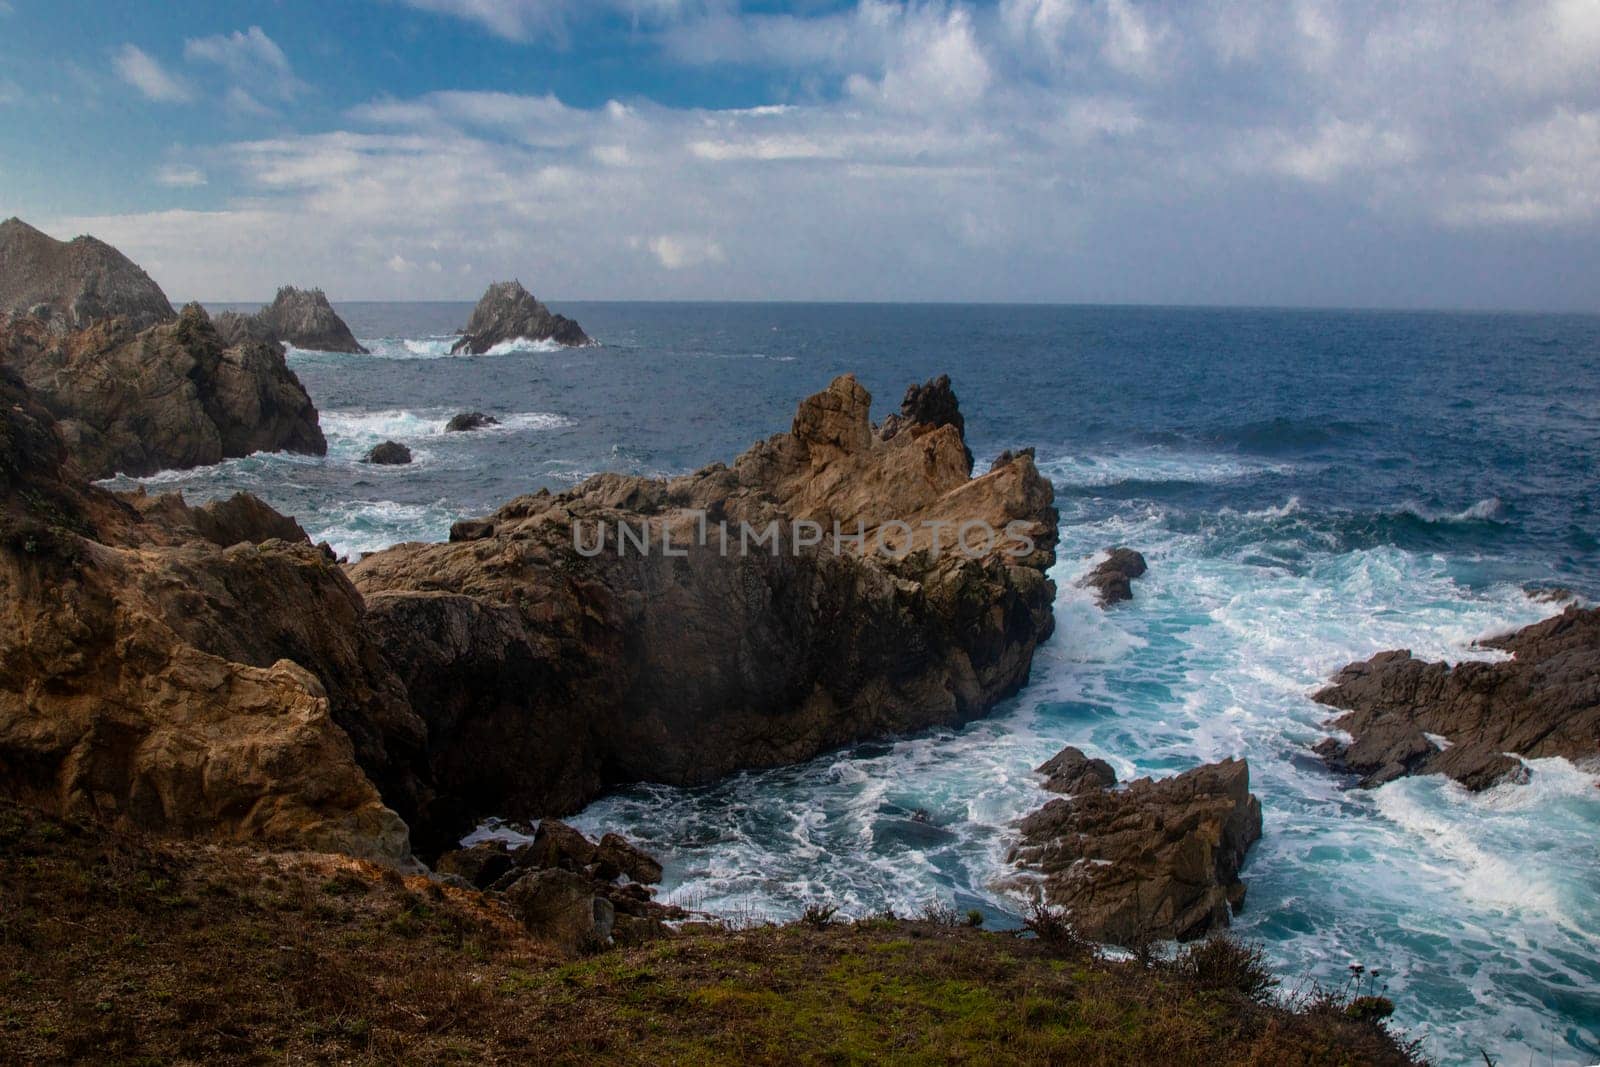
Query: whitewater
{"x": 1308, "y": 488}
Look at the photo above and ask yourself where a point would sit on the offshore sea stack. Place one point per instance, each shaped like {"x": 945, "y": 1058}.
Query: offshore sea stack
{"x": 1152, "y": 860}
{"x": 508, "y": 312}
{"x": 193, "y": 671}
{"x": 1471, "y": 721}
{"x": 76, "y": 283}
{"x": 299, "y": 317}
{"x": 547, "y": 671}
{"x": 173, "y": 395}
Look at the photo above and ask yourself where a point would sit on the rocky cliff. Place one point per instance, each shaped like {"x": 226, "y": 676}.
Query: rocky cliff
{"x": 508, "y": 312}
{"x": 1470, "y": 721}
{"x": 299, "y": 317}
{"x": 547, "y": 673}
{"x": 170, "y": 396}
{"x": 79, "y": 282}
{"x": 187, "y": 670}
{"x": 1153, "y": 860}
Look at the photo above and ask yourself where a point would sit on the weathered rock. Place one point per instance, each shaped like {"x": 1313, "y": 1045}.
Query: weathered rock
{"x": 242, "y": 519}
{"x": 480, "y": 866}
{"x": 508, "y": 312}
{"x": 547, "y": 674}
{"x": 1071, "y": 772}
{"x": 616, "y": 855}
{"x": 299, "y": 317}
{"x": 79, "y": 283}
{"x": 1544, "y": 701}
{"x": 1112, "y": 579}
{"x": 1152, "y": 860}
{"x": 561, "y": 906}
{"x": 470, "y": 420}
{"x": 555, "y": 844}
{"x": 388, "y": 454}
{"x": 926, "y": 408}
{"x": 172, "y": 396}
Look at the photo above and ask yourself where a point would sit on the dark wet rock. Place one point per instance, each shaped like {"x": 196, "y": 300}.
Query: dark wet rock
{"x": 1151, "y": 860}
{"x": 549, "y": 675}
{"x": 470, "y": 420}
{"x": 471, "y": 530}
{"x": 508, "y": 312}
{"x": 299, "y": 317}
{"x": 555, "y": 844}
{"x": 926, "y": 408}
{"x": 1550, "y": 594}
{"x": 616, "y": 855}
{"x": 389, "y": 454}
{"x": 1544, "y": 701}
{"x": 244, "y": 519}
{"x": 171, "y": 396}
{"x": 481, "y": 865}
{"x": 1071, "y": 772}
{"x": 77, "y": 283}
{"x": 1112, "y": 580}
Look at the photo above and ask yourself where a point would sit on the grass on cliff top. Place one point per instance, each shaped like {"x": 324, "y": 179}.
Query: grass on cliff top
{"x": 119, "y": 949}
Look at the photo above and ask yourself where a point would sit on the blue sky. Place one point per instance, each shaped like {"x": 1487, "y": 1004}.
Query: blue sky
{"x": 1306, "y": 152}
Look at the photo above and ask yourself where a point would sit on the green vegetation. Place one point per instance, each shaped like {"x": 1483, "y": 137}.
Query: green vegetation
{"x": 121, "y": 949}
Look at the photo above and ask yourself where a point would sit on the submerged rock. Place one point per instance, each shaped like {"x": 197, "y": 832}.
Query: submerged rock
{"x": 299, "y": 317}
{"x": 470, "y": 420}
{"x": 508, "y": 312}
{"x": 388, "y": 454}
{"x": 1152, "y": 860}
{"x": 1544, "y": 701}
{"x": 171, "y": 396}
{"x": 78, "y": 283}
{"x": 548, "y": 674}
{"x": 1112, "y": 580}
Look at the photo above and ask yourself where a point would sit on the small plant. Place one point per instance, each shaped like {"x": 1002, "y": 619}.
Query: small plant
{"x": 1051, "y": 926}
{"x": 1369, "y": 1009}
{"x": 819, "y": 916}
{"x": 940, "y": 914}
{"x": 974, "y": 918}
{"x": 1226, "y": 963}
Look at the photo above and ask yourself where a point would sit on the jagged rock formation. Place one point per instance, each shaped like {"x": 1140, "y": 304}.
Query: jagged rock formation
{"x": 78, "y": 283}
{"x": 508, "y": 312}
{"x": 1070, "y": 772}
{"x": 299, "y": 317}
{"x": 185, "y": 670}
{"x": 171, "y": 396}
{"x": 1544, "y": 701}
{"x": 388, "y": 454}
{"x": 1112, "y": 579}
{"x": 547, "y": 674}
{"x": 1152, "y": 860}
{"x": 925, "y": 408}
{"x": 470, "y": 420}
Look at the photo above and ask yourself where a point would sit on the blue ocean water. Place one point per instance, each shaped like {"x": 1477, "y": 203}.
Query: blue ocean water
{"x": 1310, "y": 487}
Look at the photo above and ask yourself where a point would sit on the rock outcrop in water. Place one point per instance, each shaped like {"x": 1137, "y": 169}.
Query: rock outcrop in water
{"x": 1152, "y": 860}
{"x": 388, "y": 454}
{"x": 187, "y": 670}
{"x": 1112, "y": 579}
{"x": 468, "y": 421}
{"x": 547, "y": 673}
{"x": 171, "y": 396}
{"x": 299, "y": 317}
{"x": 1471, "y": 721}
{"x": 508, "y": 312}
{"x": 76, "y": 283}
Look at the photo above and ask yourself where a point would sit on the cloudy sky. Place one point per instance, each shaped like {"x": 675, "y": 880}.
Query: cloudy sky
{"x": 1352, "y": 153}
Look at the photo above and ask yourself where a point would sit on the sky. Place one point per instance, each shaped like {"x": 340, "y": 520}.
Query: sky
{"x": 1235, "y": 152}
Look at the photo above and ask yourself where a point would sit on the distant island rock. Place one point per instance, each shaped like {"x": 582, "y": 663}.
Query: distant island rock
{"x": 508, "y": 312}
{"x": 470, "y": 420}
{"x": 78, "y": 283}
{"x": 299, "y": 317}
{"x": 389, "y": 454}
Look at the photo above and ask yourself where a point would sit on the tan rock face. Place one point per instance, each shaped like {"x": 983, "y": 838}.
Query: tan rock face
{"x": 1544, "y": 701}
{"x": 169, "y": 397}
{"x": 547, "y": 674}
{"x": 1153, "y": 859}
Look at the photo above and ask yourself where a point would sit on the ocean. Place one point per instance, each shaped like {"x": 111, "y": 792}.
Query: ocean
{"x": 1309, "y": 487}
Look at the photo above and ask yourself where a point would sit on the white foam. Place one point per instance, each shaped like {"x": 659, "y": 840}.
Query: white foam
{"x": 1154, "y": 465}
{"x": 357, "y": 527}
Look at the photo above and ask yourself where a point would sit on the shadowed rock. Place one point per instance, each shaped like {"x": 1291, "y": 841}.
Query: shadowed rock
{"x": 389, "y": 454}
{"x": 508, "y": 312}
{"x": 77, "y": 283}
{"x": 470, "y": 420}
{"x": 925, "y": 408}
{"x": 299, "y": 317}
{"x": 1151, "y": 860}
{"x": 1112, "y": 580}
{"x": 171, "y": 396}
{"x": 1544, "y": 701}
{"x": 1071, "y": 772}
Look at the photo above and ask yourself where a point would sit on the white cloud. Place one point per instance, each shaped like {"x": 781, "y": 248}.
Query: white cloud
{"x": 677, "y": 251}
{"x": 249, "y": 58}
{"x": 180, "y": 176}
{"x": 525, "y": 20}
{"x": 140, "y": 70}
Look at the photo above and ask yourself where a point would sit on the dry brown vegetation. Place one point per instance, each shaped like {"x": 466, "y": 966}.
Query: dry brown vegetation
{"x": 115, "y": 949}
